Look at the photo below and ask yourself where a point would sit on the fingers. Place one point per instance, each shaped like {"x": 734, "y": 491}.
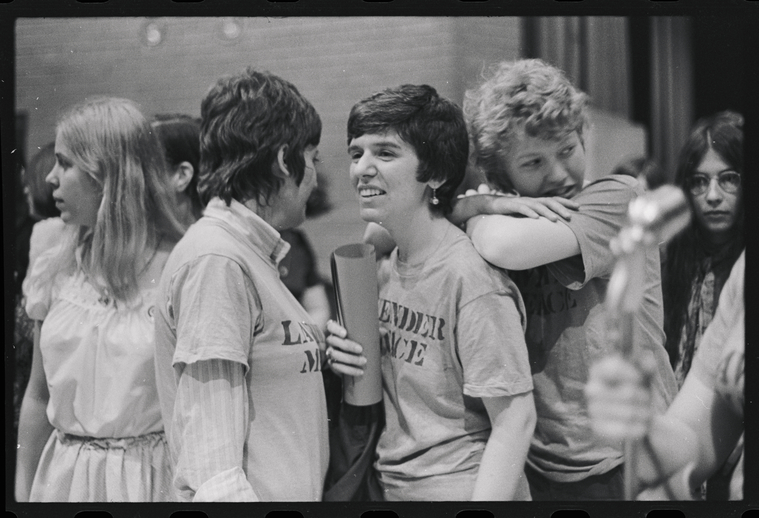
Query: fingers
{"x": 483, "y": 188}
{"x": 618, "y": 399}
{"x": 538, "y": 209}
{"x": 343, "y": 355}
{"x": 336, "y": 329}
{"x": 525, "y": 206}
{"x": 619, "y": 411}
{"x": 548, "y": 208}
{"x": 336, "y": 339}
{"x": 557, "y": 206}
{"x": 566, "y": 202}
{"x": 345, "y": 363}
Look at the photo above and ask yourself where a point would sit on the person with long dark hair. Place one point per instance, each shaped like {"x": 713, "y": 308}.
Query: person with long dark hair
{"x": 45, "y": 232}
{"x": 698, "y": 261}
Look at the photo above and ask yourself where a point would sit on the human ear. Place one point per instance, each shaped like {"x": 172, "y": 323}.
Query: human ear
{"x": 182, "y": 176}
{"x": 283, "y": 169}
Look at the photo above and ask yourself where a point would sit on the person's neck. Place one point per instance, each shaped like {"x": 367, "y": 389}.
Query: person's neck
{"x": 715, "y": 241}
{"x": 186, "y": 212}
{"x": 418, "y": 238}
{"x": 269, "y": 213}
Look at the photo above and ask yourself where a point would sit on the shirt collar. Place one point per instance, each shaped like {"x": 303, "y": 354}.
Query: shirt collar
{"x": 249, "y": 227}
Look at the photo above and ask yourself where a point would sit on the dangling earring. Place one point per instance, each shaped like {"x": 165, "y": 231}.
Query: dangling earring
{"x": 434, "y": 199}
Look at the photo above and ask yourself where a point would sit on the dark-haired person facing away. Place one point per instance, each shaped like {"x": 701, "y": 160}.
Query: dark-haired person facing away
{"x": 456, "y": 377}
{"x": 180, "y": 137}
{"x": 238, "y": 360}
{"x": 44, "y": 233}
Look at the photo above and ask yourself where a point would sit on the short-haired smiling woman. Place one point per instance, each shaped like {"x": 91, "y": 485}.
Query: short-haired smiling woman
{"x": 457, "y": 386}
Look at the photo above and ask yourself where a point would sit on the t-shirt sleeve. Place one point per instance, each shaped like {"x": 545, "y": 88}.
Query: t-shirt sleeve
{"x": 726, "y": 328}
{"x": 39, "y": 285}
{"x": 216, "y": 310}
{"x": 603, "y": 211}
{"x": 491, "y": 345}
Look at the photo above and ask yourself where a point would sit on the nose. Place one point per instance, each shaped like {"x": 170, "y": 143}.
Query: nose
{"x": 558, "y": 173}
{"x": 52, "y": 177}
{"x": 364, "y": 166}
{"x": 714, "y": 194}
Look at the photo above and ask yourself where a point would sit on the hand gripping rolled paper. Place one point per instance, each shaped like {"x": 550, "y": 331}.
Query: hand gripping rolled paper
{"x": 354, "y": 276}
{"x": 652, "y": 219}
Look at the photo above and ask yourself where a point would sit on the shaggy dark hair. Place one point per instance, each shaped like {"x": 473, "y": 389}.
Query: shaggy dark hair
{"x": 41, "y": 192}
{"x": 431, "y": 124}
{"x": 246, "y": 119}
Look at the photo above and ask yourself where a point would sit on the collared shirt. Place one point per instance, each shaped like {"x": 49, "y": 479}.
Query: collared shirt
{"x": 239, "y": 366}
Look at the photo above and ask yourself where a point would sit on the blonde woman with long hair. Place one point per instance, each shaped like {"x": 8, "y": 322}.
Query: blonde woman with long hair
{"x": 90, "y": 426}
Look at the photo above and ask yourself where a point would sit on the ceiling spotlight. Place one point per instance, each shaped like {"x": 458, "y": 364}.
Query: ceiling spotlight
{"x": 230, "y": 29}
{"x": 153, "y": 32}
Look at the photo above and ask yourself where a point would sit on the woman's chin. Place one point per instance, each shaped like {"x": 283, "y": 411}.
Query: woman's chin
{"x": 370, "y": 215}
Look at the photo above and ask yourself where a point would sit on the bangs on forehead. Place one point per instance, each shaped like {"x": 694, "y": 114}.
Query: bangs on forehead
{"x": 382, "y": 130}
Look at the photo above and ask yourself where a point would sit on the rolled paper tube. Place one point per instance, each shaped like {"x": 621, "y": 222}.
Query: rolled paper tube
{"x": 354, "y": 276}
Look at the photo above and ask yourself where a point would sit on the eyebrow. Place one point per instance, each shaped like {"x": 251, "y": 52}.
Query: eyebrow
{"x": 381, "y": 143}
{"x": 698, "y": 171}
{"x": 386, "y": 143}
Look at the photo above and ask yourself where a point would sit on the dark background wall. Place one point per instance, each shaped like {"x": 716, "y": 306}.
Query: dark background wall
{"x": 718, "y": 65}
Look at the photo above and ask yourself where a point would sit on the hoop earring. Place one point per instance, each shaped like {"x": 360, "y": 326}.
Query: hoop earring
{"x": 434, "y": 200}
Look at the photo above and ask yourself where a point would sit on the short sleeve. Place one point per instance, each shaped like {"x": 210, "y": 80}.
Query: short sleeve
{"x": 215, "y": 308}
{"x": 46, "y": 234}
{"x": 603, "y": 211}
{"x": 491, "y": 345}
{"x": 39, "y": 285}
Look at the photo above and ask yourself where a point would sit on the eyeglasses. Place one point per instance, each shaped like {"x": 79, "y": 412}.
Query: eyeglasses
{"x": 728, "y": 181}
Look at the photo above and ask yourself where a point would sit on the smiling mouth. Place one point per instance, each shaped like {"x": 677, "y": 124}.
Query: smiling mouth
{"x": 369, "y": 192}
